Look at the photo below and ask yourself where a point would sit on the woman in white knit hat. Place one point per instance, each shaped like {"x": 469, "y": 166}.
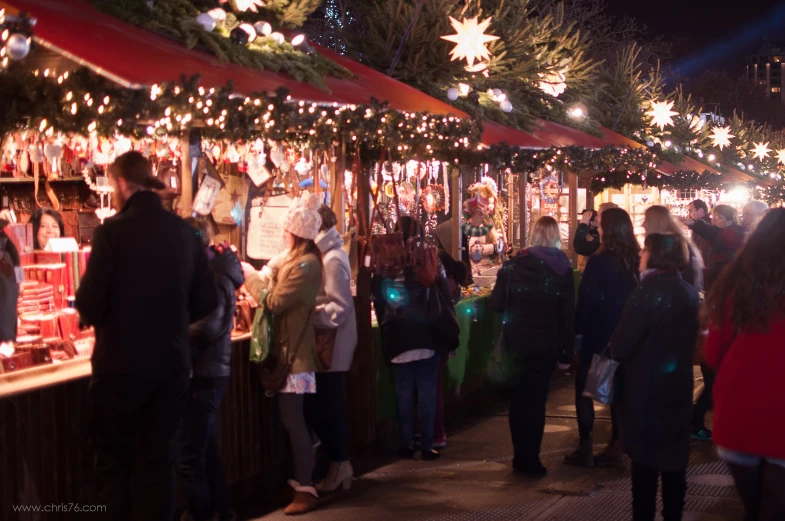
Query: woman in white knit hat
{"x": 290, "y": 295}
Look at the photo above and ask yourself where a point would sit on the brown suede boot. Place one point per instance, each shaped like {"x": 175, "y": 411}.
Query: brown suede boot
{"x": 305, "y": 499}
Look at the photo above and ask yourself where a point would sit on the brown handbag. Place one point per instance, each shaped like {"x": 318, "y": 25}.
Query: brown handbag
{"x": 274, "y": 372}
{"x": 325, "y": 345}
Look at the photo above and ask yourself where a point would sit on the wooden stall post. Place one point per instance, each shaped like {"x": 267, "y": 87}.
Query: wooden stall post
{"x": 523, "y": 207}
{"x": 362, "y": 381}
{"x": 186, "y": 181}
{"x": 456, "y": 207}
{"x": 337, "y": 202}
{"x": 572, "y": 182}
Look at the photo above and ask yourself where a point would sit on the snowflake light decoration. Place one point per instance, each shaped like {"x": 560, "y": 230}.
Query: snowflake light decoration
{"x": 553, "y": 83}
{"x": 720, "y": 137}
{"x": 761, "y": 150}
{"x": 661, "y": 113}
{"x": 470, "y": 40}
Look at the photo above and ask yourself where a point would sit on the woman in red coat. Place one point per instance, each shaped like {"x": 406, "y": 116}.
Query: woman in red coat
{"x": 746, "y": 344}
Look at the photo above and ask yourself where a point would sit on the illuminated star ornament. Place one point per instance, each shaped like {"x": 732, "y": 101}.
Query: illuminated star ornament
{"x": 761, "y": 150}
{"x": 661, "y": 113}
{"x": 781, "y": 156}
{"x": 721, "y": 136}
{"x": 470, "y": 40}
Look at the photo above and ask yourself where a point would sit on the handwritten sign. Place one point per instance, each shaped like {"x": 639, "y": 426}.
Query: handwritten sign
{"x": 266, "y": 227}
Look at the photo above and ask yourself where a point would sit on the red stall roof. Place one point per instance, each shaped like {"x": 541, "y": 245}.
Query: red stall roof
{"x": 495, "y": 133}
{"x": 562, "y": 136}
{"x": 137, "y": 58}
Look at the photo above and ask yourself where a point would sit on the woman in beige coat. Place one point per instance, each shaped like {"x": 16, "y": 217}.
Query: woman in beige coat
{"x": 289, "y": 289}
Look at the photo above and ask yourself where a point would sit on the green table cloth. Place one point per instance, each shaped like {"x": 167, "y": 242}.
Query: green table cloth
{"x": 479, "y": 331}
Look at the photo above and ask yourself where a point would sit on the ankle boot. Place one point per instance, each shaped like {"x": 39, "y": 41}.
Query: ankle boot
{"x": 304, "y": 501}
{"x": 583, "y": 455}
{"x": 612, "y": 456}
{"x": 340, "y": 475}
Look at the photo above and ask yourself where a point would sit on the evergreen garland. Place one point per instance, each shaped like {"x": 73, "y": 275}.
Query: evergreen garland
{"x": 177, "y": 19}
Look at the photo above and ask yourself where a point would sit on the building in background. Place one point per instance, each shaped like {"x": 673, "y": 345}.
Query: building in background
{"x": 764, "y": 69}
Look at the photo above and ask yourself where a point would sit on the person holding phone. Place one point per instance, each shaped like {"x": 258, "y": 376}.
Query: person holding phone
{"x": 587, "y": 236}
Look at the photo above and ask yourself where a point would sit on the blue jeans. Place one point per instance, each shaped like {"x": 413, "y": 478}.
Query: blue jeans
{"x": 200, "y": 465}
{"x": 420, "y": 376}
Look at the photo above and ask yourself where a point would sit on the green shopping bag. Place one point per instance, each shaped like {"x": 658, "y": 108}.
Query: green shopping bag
{"x": 261, "y": 333}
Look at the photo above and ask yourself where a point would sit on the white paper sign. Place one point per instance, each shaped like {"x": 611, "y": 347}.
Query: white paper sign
{"x": 207, "y": 195}
{"x": 62, "y": 245}
{"x": 265, "y": 227}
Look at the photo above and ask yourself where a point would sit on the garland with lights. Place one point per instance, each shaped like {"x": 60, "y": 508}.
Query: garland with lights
{"x": 81, "y": 102}
{"x": 571, "y": 158}
{"x": 252, "y": 45}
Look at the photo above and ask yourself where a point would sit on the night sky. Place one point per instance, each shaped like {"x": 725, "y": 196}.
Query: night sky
{"x": 705, "y": 33}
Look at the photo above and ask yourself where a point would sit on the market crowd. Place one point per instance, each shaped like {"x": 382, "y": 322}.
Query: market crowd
{"x": 712, "y": 297}
{"x": 160, "y": 293}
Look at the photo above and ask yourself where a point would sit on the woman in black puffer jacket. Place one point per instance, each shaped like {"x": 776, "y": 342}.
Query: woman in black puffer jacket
{"x": 535, "y": 291}
{"x": 211, "y": 352}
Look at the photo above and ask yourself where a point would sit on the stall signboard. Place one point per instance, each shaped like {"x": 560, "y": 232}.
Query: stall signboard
{"x": 265, "y": 227}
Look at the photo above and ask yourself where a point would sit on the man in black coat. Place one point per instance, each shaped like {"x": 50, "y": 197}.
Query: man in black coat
{"x": 147, "y": 280}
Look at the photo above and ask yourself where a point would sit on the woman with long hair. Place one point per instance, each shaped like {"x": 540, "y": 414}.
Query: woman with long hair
{"x": 653, "y": 344}
{"x": 47, "y": 224}
{"x": 610, "y": 277}
{"x": 535, "y": 293}
{"x": 290, "y": 295}
{"x": 746, "y": 345}
{"x": 658, "y": 219}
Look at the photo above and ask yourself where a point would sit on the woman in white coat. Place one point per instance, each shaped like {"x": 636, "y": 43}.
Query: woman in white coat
{"x": 335, "y": 310}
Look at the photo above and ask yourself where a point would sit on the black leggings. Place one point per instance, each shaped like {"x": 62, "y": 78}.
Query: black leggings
{"x": 584, "y": 407}
{"x": 644, "y": 493}
{"x": 762, "y": 490}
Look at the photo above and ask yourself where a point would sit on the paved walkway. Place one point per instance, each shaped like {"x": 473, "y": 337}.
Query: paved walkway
{"x": 473, "y": 480}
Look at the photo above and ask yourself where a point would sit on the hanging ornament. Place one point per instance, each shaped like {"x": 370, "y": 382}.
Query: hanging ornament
{"x": 506, "y": 106}
{"x": 218, "y": 14}
{"x": 263, "y": 28}
{"x": 470, "y": 40}
{"x": 452, "y": 94}
{"x": 206, "y": 21}
{"x": 433, "y": 198}
{"x": 278, "y": 38}
{"x": 661, "y": 113}
{"x": 17, "y": 46}
{"x": 243, "y": 34}
{"x": 761, "y": 150}
{"x": 721, "y": 136}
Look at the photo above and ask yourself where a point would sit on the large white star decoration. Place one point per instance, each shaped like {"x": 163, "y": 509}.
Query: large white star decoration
{"x": 720, "y": 137}
{"x": 781, "y": 156}
{"x": 661, "y": 113}
{"x": 761, "y": 150}
{"x": 470, "y": 40}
